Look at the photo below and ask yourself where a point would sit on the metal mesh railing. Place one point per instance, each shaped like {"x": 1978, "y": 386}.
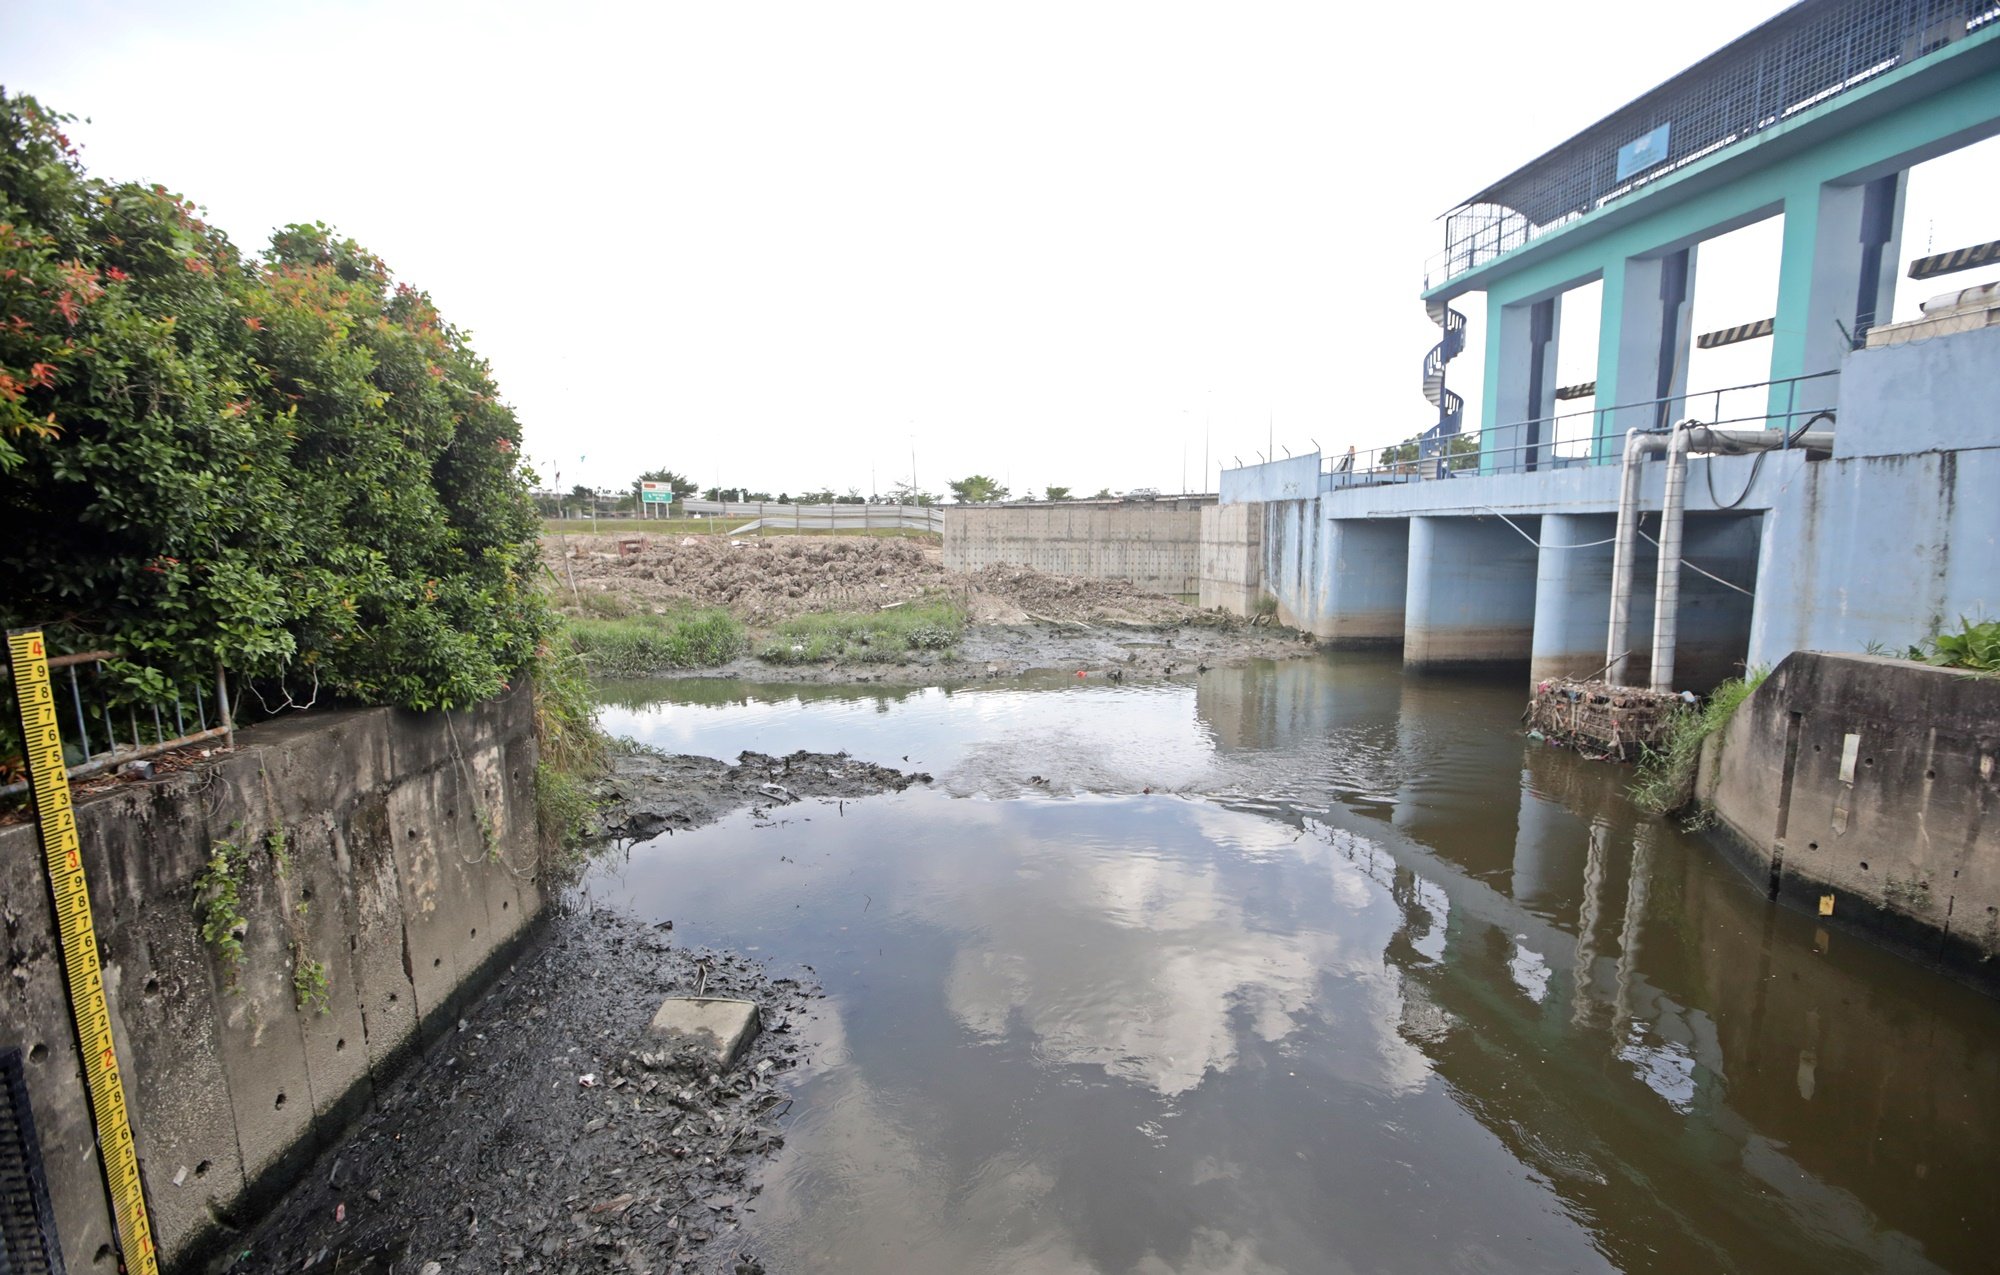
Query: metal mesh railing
{"x": 1807, "y": 55}
{"x": 1589, "y": 436}
{"x": 114, "y": 723}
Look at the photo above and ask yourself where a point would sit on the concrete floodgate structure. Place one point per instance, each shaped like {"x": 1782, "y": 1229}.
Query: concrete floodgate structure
{"x": 1866, "y": 534}
{"x": 1858, "y": 515}
{"x": 393, "y": 852}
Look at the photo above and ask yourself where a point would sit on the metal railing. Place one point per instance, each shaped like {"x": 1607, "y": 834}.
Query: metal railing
{"x": 113, "y": 729}
{"x": 775, "y": 516}
{"x": 1800, "y": 59}
{"x": 1590, "y": 436}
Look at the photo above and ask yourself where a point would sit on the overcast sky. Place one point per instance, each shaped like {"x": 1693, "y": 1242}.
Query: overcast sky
{"x": 780, "y": 245}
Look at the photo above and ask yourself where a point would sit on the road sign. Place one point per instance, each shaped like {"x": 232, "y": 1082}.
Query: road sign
{"x": 655, "y": 494}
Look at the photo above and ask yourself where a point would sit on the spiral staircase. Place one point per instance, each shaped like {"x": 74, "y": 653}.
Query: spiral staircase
{"x": 1433, "y": 445}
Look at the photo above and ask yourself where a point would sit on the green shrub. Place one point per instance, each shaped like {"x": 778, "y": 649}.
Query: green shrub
{"x": 1667, "y": 774}
{"x": 639, "y": 645}
{"x": 933, "y": 624}
{"x": 290, "y": 465}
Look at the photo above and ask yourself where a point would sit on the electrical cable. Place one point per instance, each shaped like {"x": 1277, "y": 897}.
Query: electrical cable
{"x": 1757, "y": 465}
{"x": 1698, "y": 571}
{"x": 1538, "y": 544}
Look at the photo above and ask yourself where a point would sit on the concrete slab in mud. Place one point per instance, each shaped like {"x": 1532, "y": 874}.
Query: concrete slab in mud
{"x": 719, "y": 1028}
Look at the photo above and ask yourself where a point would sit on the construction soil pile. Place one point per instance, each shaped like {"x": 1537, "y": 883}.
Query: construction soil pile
{"x": 1021, "y": 619}
{"x": 760, "y": 581}
{"x": 764, "y": 581}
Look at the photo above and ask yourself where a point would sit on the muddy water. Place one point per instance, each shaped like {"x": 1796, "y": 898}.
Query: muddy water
{"x": 1365, "y": 982}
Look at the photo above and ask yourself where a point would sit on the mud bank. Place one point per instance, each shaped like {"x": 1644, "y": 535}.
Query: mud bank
{"x": 1118, "y": 652}
{"x": 548, "y": 1134}
{"x": 649, "y": 792}
{"x": 1021, "y": 619}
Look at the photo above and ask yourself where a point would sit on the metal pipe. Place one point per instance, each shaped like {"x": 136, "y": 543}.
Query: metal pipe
{"x": 1667, "y": 593}
{"x": 1707, "y": 438}
{"x": 228, "y": 727}
{"x": 1617, "y": 647}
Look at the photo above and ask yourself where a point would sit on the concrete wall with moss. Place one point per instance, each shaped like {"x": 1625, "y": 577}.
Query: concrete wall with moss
{"x": 386, "y": 862}
{"x": 1867, "y": 791}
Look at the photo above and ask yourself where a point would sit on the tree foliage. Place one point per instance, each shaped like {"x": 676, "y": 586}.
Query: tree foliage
{"x": 289, "y": 464}
{"x": 977, "y": 489}
{"x": 1457, "y": 446}
{"x": 1056, "y": 493}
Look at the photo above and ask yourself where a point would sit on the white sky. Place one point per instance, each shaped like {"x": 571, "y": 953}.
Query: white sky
{"x": 777, "y": 244}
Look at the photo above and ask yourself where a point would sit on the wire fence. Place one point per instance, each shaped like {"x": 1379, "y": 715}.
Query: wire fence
{"x": 743, "y": 517}
{"x": 120, "y": 713}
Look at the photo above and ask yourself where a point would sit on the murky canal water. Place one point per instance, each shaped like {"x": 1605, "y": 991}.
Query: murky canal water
{"x": 1366, "y": 982}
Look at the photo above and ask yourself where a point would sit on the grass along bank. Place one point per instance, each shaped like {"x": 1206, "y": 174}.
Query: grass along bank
{"x": 1666, "y": 777}
{"x": 889, "y": 635}
{"x": 570, "y": 749}
{"x": 645, "y": 643}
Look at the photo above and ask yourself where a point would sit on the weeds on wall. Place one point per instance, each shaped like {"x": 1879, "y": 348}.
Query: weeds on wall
{"x": 1973, "y": 646}
{"x": 1666, "y": 779}
{"x": 570, "y": 748}
{"x": 218, "y": 896}
{"x": 310, "y": 991}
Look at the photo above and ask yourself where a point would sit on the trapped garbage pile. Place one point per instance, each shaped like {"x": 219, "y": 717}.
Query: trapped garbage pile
{"x": 553, "y": 1133}
{"x": 649, "y": 792}
{"x": 1600, "y": 719}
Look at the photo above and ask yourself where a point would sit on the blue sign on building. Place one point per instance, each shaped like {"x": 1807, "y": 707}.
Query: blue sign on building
{"x": 1641, "y": 154}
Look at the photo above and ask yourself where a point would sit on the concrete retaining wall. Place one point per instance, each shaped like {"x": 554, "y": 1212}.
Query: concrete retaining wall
{"x": 1868, "y": 791}
{"x": 1153, "y": 544}
{"x": 1294, "y": 478}
{"x": 398, "y": 850}
{"x": 1231, "y": 573}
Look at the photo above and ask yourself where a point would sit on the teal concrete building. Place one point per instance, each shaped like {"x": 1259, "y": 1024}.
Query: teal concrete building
{"x": 1857, "y": 508}
{"x": 1817, "y": 116}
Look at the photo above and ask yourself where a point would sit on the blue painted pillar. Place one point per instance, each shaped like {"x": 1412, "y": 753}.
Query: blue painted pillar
{"x": 1836, "y": 274}
{"x": 1573, "y": 596}
{"x": 1470, "y": 596}
{"x": 1643, "y": 342}
{"x": 1521, "y": 386}
{"x": 1367, "y": 565}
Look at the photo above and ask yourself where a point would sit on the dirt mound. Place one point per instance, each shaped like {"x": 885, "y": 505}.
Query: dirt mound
{"x": 760, "y": 581}
{"x": 1037, "y": 595}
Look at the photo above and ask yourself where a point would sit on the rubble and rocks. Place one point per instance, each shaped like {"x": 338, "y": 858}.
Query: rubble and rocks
{"x": 550, "y": 1134}
{"x": 1015, "y": 594}
{"x": 648, "y": 792}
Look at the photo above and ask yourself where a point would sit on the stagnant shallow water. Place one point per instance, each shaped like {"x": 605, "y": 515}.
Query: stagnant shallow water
{"x": 1367, "y": 982}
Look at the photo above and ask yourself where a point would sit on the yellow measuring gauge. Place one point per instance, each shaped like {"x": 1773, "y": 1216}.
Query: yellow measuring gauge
{"x": 48, "y": 780}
